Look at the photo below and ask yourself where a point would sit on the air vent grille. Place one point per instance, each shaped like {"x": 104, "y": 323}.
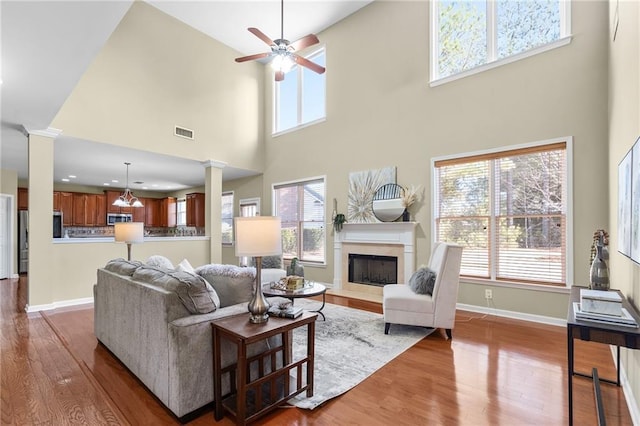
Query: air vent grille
{"x": 183, "y": 132}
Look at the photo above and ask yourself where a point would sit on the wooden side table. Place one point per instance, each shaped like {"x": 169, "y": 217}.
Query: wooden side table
{"x": 248, "y": 399}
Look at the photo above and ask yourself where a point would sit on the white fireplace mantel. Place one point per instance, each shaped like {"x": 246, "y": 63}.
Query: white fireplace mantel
{"x": 381, "y": 233}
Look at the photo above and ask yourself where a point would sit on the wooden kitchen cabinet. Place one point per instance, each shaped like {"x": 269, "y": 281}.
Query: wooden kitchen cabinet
{"x": 139, "y": 212}
{"x": 151, "y": 212}
{"x": 65, "y": 204}
{"x": 56, "y": 201}
{"x": 89, "y": 210}
{"x": 23, "y": 199}
{"x": 168, "y": 212}
{"x": 111, "y": 197}
{"x": 195, "y": 209}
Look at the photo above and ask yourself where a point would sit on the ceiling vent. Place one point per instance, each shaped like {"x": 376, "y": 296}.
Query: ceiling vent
{"x": 183, "y": 132}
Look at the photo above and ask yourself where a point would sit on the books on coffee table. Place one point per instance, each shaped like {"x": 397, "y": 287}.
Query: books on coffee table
{"x": 289, "y": 312}
{"x": 624, "y": 320}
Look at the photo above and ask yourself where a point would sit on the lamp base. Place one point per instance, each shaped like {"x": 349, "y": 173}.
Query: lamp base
{"x": 258, "y": 319}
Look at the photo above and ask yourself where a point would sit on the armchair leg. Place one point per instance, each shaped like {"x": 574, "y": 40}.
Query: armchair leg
{"x": 448, "y": 332}
{"x": 386, "y": 327}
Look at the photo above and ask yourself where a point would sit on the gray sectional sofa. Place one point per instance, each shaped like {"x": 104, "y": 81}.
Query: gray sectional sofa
{"x": 156, "y": 321}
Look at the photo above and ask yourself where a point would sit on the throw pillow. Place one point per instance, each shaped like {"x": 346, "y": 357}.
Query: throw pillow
{"x": 123, "y": 267}
{"x": 422, "y": 281}
{"x": 194, "y": 292}
{"x": 159, "y": 262}
{"x": 272, "y": 262}
{"x": 185, "y": 266}
{"x": 233, "y": 284}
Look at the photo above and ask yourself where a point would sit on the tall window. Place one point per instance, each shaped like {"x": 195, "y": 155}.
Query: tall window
{"x": 227, "y": 218}
{"x": 181, "y": 212}
{"x": 467, "y": 34}
{"x": 301, "y": 207}
{"x": 508, "y": 210}
{"x": 300, "y": 98}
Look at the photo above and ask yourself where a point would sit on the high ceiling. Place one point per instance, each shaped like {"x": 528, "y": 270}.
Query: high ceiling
{"x": 48, "y": 45}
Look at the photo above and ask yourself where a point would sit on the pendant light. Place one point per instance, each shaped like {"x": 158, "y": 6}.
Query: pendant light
{"x": 127, "y": 199}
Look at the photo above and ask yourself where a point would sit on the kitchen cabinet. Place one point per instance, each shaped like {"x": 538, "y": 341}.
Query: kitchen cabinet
{"x": 65, "y": 204}
{"x": 151, "y": 210}
{"x": 23, "y": 199}
{"x": 56, "y": 201}
{"x": 195, "y": 209}
{"x": 111, "y": 197}
{"x": 88, "y": 210}
{"x": 168, "y": 212}
{"x": 139, "y": 212}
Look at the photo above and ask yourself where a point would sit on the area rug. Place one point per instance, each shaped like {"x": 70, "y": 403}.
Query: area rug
{"x": 349, "y": 346}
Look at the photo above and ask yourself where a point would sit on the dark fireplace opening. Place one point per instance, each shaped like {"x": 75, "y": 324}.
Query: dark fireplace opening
{"x": 373, "y": 269}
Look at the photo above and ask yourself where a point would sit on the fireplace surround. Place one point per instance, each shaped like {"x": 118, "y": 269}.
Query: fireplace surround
{"x": 394, "y": 239}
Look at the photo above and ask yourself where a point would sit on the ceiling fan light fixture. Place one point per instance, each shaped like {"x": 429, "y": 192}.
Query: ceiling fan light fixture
{"x": 282, "y": 62}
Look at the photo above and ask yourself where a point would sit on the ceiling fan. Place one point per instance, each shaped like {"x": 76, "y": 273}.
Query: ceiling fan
{"x": 283, "y": 51}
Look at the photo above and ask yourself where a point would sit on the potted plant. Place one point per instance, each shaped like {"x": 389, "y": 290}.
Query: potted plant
{"x": 338, "y": 221}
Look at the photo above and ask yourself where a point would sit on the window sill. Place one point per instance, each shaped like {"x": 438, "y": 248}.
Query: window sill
{"x": 534, "y": 287}
{"x": 490, "y": 65}
{"x": 298, "y": 127}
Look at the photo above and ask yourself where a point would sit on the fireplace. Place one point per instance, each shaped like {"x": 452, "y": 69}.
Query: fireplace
{"x": 372, "y": 269}
{"x": 381, "y": 240}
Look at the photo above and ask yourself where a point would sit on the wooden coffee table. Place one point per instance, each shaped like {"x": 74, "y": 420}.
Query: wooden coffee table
{"x": 313, "y": 289}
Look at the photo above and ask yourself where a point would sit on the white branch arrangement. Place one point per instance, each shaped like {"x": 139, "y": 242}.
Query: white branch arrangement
{"x": 410, "y": 195}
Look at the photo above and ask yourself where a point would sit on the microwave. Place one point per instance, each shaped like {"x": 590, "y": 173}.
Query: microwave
{"x": 113, "y": 218}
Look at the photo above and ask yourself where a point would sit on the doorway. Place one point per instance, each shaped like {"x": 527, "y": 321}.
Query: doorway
{"x": 6, "y": 236}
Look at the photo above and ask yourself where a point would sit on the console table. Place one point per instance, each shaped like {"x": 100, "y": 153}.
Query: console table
{"x": 610, "y": 334}
{"x": 248, "y": 399}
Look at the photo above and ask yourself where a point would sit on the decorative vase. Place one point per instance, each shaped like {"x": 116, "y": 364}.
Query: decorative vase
{"x": 405, "y": 216}
{"x": 258, "y": 306}
{"x": 295, "y": 268}
{"x": 599, "y": 273}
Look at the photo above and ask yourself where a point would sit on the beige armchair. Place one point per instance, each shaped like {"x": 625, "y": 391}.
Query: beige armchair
{"x": 401, "y": 305}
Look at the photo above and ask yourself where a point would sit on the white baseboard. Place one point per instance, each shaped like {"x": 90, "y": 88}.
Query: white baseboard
{"x": 60, "y": 304}
{"x": 512, "y": 314}
{"x": 634, "y": 412}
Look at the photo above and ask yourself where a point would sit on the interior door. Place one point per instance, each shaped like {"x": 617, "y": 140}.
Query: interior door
{"x": 5, "y": 236}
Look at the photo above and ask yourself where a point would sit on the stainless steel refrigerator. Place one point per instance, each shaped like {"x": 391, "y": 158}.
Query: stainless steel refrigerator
{"x": 23, "y": 244}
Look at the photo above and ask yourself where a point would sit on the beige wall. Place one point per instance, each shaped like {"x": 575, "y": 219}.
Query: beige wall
{"x": 9, "y": 186}
{"x": 624, "y": 129}
{"x": 382, "y": 112}
{"x": 154, "y": 73}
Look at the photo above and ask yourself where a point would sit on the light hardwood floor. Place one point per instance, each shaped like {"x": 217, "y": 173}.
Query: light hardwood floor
{"x": 495, "y": 371}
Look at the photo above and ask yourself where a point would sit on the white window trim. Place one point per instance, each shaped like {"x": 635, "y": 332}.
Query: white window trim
{"x": 565, "y": 39}
{"x": 276, "y": 101}
{"x": 568, "y": 206}
{"x": 249, "y": 201}
{"x": 233, "y": 231}
{"x": 322, "y": 264}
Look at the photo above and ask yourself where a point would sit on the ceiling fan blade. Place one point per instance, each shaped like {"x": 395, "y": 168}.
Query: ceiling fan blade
{"x": 279, "y": 75}
{"x": 308, "y": 64}
{"x": 253, "y": 57}
{"x": 262, "y": 36}
{"x": 304, "y": 42}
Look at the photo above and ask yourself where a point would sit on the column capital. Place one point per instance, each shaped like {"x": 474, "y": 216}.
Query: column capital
{"x": 214, "y": 163}
{"x": 49, "y": 132}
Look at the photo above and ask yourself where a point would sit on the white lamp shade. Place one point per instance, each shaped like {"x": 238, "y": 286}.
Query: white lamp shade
{"x": 129, "y": 232}
{"x": 258, "y": 236}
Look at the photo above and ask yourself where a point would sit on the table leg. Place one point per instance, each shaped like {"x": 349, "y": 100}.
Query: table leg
{"x": 311, "y": 336}
{"x": 217, "y": 367}
{"x": 321, "y": 307}
{"x": 241, "y": 395}
{"x": 570, "y": 373}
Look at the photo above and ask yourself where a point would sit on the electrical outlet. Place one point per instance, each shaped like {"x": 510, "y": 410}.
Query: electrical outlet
{"x": 488, "y": 293}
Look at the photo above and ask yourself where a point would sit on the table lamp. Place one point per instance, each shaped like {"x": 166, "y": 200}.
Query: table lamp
{"x": 258, "y": 236}
{"x": 129, "y": 232}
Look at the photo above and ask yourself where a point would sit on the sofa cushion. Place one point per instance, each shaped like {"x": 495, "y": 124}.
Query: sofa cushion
{"x": 194, "y": 291}
{"x": 422, "y": 281}
{"x": 159, "y": 262}
{"x": 233, "y": 284}
{"x": 185, "y": 266}
{"x": 123, "y": 267}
